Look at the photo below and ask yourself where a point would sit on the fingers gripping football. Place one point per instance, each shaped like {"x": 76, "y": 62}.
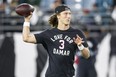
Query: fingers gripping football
{"x": 28, "y": 18}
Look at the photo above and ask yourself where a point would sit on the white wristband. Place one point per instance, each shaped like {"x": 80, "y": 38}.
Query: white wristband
{"x": 26, "y": 24}
{"x": 81, "y": 47}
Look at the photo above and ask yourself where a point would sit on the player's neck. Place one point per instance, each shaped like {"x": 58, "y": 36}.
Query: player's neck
{"x": 63, "y": 27}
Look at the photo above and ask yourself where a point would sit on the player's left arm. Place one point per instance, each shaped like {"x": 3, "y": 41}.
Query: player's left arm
{"x": 84, "y": 50}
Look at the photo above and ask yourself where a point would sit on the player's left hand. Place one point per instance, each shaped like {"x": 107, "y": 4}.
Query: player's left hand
{"x": 78, "y": 40}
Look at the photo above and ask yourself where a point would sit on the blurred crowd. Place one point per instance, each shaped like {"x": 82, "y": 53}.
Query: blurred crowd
{"x": 85, "y": 12}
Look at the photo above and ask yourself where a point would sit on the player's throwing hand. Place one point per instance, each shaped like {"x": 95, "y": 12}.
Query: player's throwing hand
{"x": 27, "y": 19}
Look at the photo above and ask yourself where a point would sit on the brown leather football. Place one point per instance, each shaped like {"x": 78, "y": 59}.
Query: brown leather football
{"x": 24, "y": 9}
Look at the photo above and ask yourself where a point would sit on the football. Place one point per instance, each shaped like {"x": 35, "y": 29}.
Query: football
{"x": 24, "y": 9}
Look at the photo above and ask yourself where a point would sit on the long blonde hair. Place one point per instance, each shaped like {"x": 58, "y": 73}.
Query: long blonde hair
{"x": 53, "y": 21}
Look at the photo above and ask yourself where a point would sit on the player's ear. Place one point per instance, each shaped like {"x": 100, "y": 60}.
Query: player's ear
{"x": 58, "y": 16}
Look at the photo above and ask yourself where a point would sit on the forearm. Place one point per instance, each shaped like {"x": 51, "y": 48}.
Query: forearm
{"x": 85, "y": 51}
{"x": 27, "y": 36}
{"x": 26, "y": 32}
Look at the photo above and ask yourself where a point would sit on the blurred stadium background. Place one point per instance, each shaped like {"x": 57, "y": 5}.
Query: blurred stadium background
{"x": 18, "y": 59}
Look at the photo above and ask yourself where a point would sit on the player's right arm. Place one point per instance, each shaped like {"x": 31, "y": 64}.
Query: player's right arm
{"x": 27, "y": 36}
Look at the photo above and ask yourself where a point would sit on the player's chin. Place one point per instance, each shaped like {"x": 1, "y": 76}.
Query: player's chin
{"x": 67, "y": 23}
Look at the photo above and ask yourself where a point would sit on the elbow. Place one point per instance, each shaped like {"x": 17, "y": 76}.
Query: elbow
{"x": 25, "y": 39}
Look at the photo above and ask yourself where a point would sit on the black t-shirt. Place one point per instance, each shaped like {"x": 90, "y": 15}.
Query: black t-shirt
{"x": 61, "y": 49}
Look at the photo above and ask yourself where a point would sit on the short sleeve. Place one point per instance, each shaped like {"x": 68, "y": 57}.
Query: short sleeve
{"x": 82, "y": 35}
{"x": 40, "y": 37}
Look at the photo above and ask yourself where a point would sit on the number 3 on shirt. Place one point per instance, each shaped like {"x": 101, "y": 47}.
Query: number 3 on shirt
{"x": 62, "y": 44}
